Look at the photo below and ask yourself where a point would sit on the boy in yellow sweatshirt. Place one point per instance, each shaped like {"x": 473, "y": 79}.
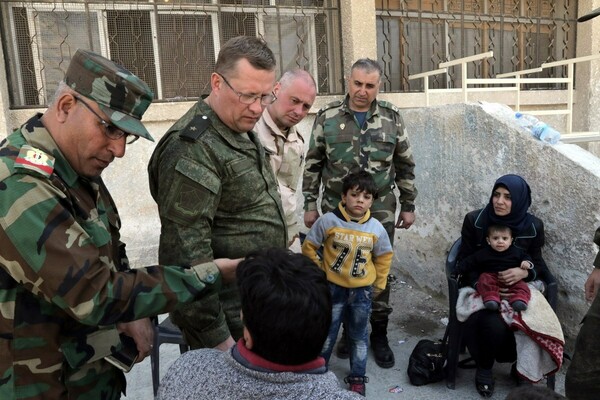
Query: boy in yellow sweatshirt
{"x": 357, "y": 256}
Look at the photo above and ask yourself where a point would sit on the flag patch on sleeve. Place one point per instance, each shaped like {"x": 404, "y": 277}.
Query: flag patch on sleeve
{"x": 35, "y": 160}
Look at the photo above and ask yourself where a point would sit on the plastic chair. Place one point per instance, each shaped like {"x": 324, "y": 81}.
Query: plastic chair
{"x": 164, "y": 332}
{"x": 455, "y": 327}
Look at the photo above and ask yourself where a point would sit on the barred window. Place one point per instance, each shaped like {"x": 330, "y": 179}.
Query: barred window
{"x": 172, "y": 44}
{"x": 416, "y": 35}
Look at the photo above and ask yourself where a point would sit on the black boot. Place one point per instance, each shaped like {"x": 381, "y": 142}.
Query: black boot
{"x": 342, "y": 347}
{"x": 384, "y": 357}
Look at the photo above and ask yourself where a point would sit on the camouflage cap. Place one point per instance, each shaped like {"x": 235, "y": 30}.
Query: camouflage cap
{"x": 121, "y": 95}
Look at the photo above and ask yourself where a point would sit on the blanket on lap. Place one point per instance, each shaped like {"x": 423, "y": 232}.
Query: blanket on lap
{"x": 538, "y": 333}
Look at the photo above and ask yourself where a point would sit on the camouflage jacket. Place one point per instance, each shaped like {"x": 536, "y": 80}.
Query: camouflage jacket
{"x": 217, "y": 197}
{"x": 286, "y": 155}
{"x": 338, "y": 146}
{"x": 64, "y": 276}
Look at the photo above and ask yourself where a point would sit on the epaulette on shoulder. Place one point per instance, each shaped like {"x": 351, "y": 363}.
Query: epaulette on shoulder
{"x": 387, "y": 104}
{"x": 333, "y": 104}
{"x": 32, "y": 159}
{"x": 197, "y": 126}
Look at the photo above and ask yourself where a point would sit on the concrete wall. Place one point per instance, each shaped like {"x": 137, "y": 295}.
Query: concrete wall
{"x": 587, "y": 78}
{"x": 460, "y": 150}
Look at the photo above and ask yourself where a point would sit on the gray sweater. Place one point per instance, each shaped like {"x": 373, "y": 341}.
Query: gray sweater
{"x": 213, "y": 374}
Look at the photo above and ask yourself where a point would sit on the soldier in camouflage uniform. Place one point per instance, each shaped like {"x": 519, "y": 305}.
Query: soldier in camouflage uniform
{"x": 296, "y": 92}
{"x": 362, "y": 133}
{"x": 582, "y": 381}
{"x": 216, "y": 192}
{"x": 66, "y": 289}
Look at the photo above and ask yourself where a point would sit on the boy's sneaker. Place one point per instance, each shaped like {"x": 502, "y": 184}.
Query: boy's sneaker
{"x": 357, "y": 384}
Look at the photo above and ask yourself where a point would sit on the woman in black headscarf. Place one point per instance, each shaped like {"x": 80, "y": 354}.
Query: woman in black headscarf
{"x": 487, "y": 336}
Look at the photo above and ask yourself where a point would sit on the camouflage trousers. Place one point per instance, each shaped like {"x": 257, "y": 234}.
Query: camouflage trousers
{"x": 582, "y": 381}
{"x": 197, "y": 319}
{"x": 384, "y": 210}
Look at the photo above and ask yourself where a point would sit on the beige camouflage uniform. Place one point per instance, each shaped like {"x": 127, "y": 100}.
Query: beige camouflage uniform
{"x": 286, "y": 154}
{"x": 339, "y": 146}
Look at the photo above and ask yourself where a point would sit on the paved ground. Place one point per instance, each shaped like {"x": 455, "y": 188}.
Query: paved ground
{"x": 416, "y": 316}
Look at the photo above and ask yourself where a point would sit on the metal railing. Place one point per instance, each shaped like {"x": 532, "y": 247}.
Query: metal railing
{"x": 416, "y": 35}
{"x": 513, "y": 82}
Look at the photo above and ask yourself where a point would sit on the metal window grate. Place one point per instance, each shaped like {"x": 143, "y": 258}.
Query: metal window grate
{"x": 171, "y": 44}
{"x": 416, "y": 35}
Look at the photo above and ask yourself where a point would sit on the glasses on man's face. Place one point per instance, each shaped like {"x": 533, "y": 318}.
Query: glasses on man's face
{"x": 111, "y": 131}
{"x": 248, "y": 99}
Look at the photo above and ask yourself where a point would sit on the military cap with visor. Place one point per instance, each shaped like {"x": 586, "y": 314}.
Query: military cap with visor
{"x": 121, "y": 95}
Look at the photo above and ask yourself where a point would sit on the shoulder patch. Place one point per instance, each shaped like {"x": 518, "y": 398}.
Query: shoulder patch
{"x": 333, "y": 104}
{"x": 387, "y": 104}
{"x": 35, "y": 160}
{"x": 195, "y": 128}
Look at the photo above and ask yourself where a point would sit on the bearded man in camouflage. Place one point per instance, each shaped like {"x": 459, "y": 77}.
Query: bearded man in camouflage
{"x": 66, "y": 289}
{"x": 362, "y": 133}
{"x": 216, "y": 192}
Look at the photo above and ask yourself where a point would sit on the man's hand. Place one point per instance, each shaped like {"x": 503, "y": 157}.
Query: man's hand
{"x": 142, "y": 333}
{"x": 310, "y": 217}
{"x": 592, "y": 284}
{"x": 226, "y": 345}
{"x": 405, "y": 219}
{"x": 512, "y": 275}
{"x": 227, "y": 268}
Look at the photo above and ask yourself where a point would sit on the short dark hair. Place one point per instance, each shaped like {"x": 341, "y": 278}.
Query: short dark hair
{"x": 286, "y": 305}
{"x": 499, "y": 228}
{"x": 368, "y": 65}
{"x": 251, "y": 48}
{"x": 362, "y": 180}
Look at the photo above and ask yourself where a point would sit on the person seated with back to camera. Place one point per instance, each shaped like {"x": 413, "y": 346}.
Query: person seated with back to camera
{"x": 286, "y": 312}
{"x": 499, "y": 255}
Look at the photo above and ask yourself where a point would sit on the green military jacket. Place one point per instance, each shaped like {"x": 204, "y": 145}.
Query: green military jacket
{"x": 338, "y": 146}
{"x": 64, "y": 276}
{"x": 217, "y": 197}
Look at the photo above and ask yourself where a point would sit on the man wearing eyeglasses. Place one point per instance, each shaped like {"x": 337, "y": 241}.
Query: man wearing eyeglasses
{"x": 66, "y": 289}
{"x": 216, "y": 193}
{"x": 296, "y": 92}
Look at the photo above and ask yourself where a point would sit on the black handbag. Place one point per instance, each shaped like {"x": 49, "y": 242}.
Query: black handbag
{"x": 427, "y": 362}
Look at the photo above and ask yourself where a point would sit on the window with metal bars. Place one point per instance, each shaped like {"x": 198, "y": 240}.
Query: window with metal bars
{"x": 416, "y": 35}
{"x": 172, "y": 44}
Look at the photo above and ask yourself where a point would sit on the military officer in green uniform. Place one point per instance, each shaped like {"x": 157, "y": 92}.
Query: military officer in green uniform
{"x": 215, "y": 189}
{"x": 66, "y": 289}
{"x": 362, "y": 133}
